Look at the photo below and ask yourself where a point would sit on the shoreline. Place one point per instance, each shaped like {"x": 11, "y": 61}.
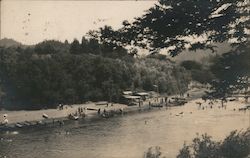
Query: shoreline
{"x": 115, "y": 109}
{"x": 24, "y": 119}
{"x": 56, "y": 117}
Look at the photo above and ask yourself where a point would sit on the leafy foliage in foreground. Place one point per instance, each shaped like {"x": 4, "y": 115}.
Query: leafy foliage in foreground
{"x": 153, "y": 152}
{"x": 232, "y": 72}
{"x": 171, "y": 24}
{"x": 237, "y": 144}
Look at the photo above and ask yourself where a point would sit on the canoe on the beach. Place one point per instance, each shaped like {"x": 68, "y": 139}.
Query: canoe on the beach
{"x": 93, "y": 109}
{"x": 73, "y": 117}
{"x": 101, "y": 103}
{"x": 19, "y": 125}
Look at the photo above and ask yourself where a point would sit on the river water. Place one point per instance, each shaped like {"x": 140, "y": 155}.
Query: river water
{"x": 127, "y": 136}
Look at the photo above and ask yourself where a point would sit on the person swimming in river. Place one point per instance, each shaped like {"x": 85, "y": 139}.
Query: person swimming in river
{"x": 61, "y": 123}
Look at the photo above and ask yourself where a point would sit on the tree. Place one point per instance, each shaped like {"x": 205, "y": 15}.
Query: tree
{"x": 154, "y": 152}
{"x": 237, "y": 144}
{"x": 191, "y": 65}
{"x": 50, "y": 47}
{"x": 232, "y": 71}
{"x": 198, "y": 71}
{"x": 75, "y": 47}
{"x": 85, "y": 46}
{"x": 176, "y": 23}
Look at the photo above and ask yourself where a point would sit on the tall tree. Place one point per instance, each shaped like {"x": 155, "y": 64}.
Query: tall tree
{"x": 75, "y": 47}
{"x": 175, "y": 24}
{"x": 232, "y": 71}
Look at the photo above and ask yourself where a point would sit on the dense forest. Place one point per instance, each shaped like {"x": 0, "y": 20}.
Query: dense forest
{"x": 101, "y": 66}
{"x": 53, "y": 72}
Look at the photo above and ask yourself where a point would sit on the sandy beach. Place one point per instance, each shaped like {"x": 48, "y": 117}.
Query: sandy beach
{"x": 36, "y": 115}
{"x": 91, "y": 109}
{"x": 56, "y": 114}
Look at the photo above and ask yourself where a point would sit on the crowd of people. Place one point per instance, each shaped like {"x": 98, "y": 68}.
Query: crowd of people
{"x": 222, "y": 104}
{"x": 80, "y": 112}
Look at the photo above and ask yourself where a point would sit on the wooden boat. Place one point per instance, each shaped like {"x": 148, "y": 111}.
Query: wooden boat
{"x": 45, "y": 116}
{"x": 73, "y": 117}
{"x": 19, "y": 125}
{"x": 101, "y": 103}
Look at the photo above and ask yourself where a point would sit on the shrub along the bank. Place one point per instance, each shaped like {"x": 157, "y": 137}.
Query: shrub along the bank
{"x": 236, "y": 145}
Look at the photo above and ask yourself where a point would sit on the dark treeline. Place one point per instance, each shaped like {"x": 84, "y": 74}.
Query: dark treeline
{"x": 199, "y": 71}
{"x": 52, "y": 72}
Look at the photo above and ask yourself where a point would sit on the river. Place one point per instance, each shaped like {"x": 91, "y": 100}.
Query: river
{"x": 127, "y": 136}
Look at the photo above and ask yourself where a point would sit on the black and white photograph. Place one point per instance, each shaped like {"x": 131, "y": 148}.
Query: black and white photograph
{"x": 124, "y": 78}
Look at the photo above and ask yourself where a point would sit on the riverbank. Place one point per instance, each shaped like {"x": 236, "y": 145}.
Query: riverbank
{"x": 21, "y": 119}
{"x": 54, "y": 117}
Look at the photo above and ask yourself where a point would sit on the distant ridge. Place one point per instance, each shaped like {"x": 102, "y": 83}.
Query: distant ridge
{"x": 199, "y": 54}
{"x": 5, "y": 42}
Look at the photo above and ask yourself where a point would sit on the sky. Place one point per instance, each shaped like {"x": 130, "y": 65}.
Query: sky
{"x": 32, "y": 21}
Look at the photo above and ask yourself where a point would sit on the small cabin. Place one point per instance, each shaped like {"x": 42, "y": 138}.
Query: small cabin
{"x": 127, "y": 93}
{"x": 143, "y": 95}
{"x": 131, "y": 99}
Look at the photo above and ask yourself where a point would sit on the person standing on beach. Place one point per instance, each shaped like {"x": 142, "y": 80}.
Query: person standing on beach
{"x": 84, "y": 110}
{"x": 166, "y": 99}
{"x": 79, "y": 110}
{"x": 5, "y": 120}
